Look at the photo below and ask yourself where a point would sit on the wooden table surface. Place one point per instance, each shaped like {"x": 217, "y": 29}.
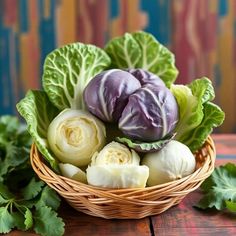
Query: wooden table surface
{"x": 182, "y": 219}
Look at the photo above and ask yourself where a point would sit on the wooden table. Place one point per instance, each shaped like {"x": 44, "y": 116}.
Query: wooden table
{"x": 182, "y": 219}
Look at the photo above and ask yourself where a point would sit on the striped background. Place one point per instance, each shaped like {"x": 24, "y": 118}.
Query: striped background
{"x": 201, "y": 33}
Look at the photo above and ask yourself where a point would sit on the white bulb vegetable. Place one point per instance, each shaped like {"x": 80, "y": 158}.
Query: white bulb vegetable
{"x": 75, "y": 135}
{"x": 115, "y": 166}
{"x": 73, "y": 172}
{"x": 172, "y": 162}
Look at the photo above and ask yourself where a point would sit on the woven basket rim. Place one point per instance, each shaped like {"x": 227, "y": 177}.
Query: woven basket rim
{"x": 174, "y": 182}
{"x": 127, "y": 203}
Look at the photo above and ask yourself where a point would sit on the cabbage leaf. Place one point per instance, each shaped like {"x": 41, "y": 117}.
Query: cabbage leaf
{"x": 142, "y": 50}
{"x": 38, "y": 112}
{"x": 146, "y": 146}
{"x": 213, "y": 117}
{"x": 67, "y": 71}
{"x": 197, "y": 115}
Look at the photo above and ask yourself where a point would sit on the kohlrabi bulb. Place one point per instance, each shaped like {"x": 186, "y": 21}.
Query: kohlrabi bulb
{"x": 75, "y": 135}
{"x": 174, "y": 161}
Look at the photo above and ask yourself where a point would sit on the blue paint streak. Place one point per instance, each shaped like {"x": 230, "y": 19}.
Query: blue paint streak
{"x": 159, "y": 19}
{"x": 23, "y": 16}
{"x": 6, "y": 97}
{"x": 223, "y": 7}
{"x": 226, "y": 156}
{"x": 114, "y": 8}
{"x": 46, "y": 30}
{"x": 17, "y": 65}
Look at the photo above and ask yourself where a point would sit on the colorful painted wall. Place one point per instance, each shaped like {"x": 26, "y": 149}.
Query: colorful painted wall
{"x": 201, "y": 33}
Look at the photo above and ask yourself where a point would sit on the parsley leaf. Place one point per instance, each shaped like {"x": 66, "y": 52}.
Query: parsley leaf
{"x": 23, "y": 197}
{"x": 18, "y": 220}
{"x": 32, "y": 189}
{"x": 47, "y": 223}
{"x": 48, "y": 198}
{"x": 28, "y": 219}
{"x": 6, "y": 220}
{"x": 220, "y": 189}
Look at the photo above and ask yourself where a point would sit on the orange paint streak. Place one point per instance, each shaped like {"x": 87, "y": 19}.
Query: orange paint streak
{"x": 47, "y": 5}
{"x": 130, "y": 18}
{"x": 29, "y": 52}
{"x": 66, "y": 22}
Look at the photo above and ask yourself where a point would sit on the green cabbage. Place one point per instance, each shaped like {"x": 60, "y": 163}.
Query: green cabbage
{"x": 67, "y": 71}
{"x": 38, "y": 112}
{"x": 198, "y": 116}
{"x": 142, "y": 50}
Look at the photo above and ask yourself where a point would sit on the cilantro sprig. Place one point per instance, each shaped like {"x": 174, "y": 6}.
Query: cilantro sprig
{"x": 25, "y": 202}
{"x": 220, "y": 189}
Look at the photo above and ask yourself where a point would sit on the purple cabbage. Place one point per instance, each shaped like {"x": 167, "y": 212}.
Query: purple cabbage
{"x": 150, "y": 114}
{"x": 146, "y": 77}
{"x": 107, "y": 93}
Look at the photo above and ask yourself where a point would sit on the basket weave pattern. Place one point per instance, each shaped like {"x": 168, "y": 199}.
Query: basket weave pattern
{"x": 126, "y": 203}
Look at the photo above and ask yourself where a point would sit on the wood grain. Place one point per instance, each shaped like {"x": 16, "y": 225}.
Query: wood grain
{"x": 184, "y": 219}
{"x": 80, "y": 224}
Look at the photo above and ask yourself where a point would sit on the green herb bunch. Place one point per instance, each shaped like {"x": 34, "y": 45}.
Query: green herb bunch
{"x": 25, "y": 202}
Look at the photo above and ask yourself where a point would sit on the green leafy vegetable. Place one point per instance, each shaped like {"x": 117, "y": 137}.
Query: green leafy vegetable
{"x": 197, "y": 115}
{"x": 32, "y": 189}
{"x": 220, "y": 189}
{"x": 27, "y": 213}
{"x": 6, "y": 220}
{"x": 67, "y": 70}
{"x": 45, "y": 218}
{"x": 145, "y": 147}
{"x": 38, "y": 112}
{"x": 48, "y": 198}
{"x": 14, "y": 144}
{"x": 202, "y": 88}
{"x": 190, "y": 111}
{"x": 28, "y": 219}
{"x": 21, "y": 194}
{"x": 142, "y": 50}
{"x": 213, "y": 117}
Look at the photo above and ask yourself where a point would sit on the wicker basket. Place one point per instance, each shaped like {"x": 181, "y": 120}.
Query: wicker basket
{"x": 126, "y": 203}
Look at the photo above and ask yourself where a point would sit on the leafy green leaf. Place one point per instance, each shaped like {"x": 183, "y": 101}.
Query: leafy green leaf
{"x": 48, "y": 198}
{"x": 213, "y": 117}
{"x": 19, "y": 191}
{"x": 67, "y": 71}
{"x": 47, "y": 223}
{"x": 38, "y": 112}
{"x": 18, "y": 220}
{"x": 219, "y": 188}
{"x": 145, "y": 147}
{"x": 23, "y": 218}
{"x": 124, "y": 51}
{"x": 12, "y": 152}
{"x": 231, "y": 206}
{"x": 202, "y": 88}
{"x": 3, "y": 200}
{"x": 8, "y": 125}
{"x": 15, "y": 156}
{"x": 197, "y": 115}
{"x": 28, "y": 219}
{"x": 4, "y": 192}
{"x": 6, "y": 220}
{"x": 190, "y": 112}
{"x": 32, "y": 189}
{"x": 142, "y": 50}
